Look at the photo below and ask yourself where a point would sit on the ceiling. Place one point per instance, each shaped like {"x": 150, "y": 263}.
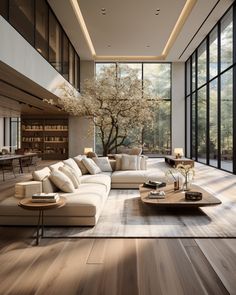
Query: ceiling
{"x": 136, "y": 29}
{"x": 20, "y": 95}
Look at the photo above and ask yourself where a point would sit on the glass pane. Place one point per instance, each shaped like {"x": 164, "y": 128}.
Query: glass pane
{"x": 4, "y": 8}
{"x": 201, "y": 128}
{"x": 65, "y": 62}
{"x": 193, "y": 71}
{"x": 21, "y": 16}
{"x": 101, "y": 66}
{"x": 71, "y": 65}
{"x": 55, "y": 40}
{"x": 159, "y": 75}
{"x": 77, "y": 72}
{"x": 188, "y": 126}
{"x": 135, "y": 66}
{"x": 41, "y": 27}
{"x": 194, "y": 126}
{"x": 227, "y": 120}
{"x": 213, "y": 56}
{"x": 188, "y": 77}
{"x": 201, "y": 71}
{"x": 213, "y": 124}
{"x": 227, "y": 41}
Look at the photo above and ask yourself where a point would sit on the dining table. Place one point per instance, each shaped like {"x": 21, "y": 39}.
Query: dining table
{"x": 20, "y": 157}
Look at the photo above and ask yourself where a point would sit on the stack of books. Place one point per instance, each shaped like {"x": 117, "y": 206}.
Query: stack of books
{"x": 154, "y": 184}
{"x": 45, "y": 198}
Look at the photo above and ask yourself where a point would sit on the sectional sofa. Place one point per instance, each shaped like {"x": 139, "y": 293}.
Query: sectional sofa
{"x": 86, "y": 199}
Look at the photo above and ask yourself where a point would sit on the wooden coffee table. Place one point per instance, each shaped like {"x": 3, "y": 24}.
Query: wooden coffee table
{"x": 176, "y": 199}
{"x": 41, "y": 207}
{"x": 173, "y": 162}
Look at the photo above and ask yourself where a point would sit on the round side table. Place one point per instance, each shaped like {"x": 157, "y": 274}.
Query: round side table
{"x": 41, "y": 207}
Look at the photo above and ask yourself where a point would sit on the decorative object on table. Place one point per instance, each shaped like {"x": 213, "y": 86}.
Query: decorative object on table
{"x": 187, "y": 171}
{"x": 154, "y": 184}
{"x": 193, "y": 196}
{"x": 178, "y": 152}
{"x": 27, "y": 188}
{"x": 175, "y": 178}
{"x": 45, "y": 198}
{"x": 87, "y": 150}
{"x": 157, "y": 195}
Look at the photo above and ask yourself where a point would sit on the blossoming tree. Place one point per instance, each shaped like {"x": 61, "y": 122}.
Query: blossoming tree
{"x": 119, "y": 105}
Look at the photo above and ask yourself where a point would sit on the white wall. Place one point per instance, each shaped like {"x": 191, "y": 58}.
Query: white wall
{"x": 178, "y": 105}
{"x": 81, "y": 130}
{"x": 16, "y": 52}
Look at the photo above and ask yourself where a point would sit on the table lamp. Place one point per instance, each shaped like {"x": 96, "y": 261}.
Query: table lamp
{"x": 87, "y": 150}
{"x": 178, "y": 152}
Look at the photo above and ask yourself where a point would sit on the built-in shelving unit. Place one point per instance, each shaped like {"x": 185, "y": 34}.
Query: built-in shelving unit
{"x": 47, "y": 137}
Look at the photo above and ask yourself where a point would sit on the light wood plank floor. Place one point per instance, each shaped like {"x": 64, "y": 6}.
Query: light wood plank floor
{"x": 117, "y": 266}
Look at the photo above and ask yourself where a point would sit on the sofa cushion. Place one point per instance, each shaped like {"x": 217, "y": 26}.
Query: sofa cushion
{"x": 39, "y": 175}
{"x": 91, "y": 166}
{"x": 129, "y": 162}
{"x": 98, "y": 179}
{"x": 48, "y": 186}
{"x": 73, "y": 165}
{"x": 118, "y": 158}
{"x": 143, "y": 162}
{"x": 131, "y": 176}
{"x": 56, "y": 166}
{"x": 78, "y": 159}
{"x": 71, "y": 174}
{"x": 103, "y": 163}
{"x": 62, "y": 181}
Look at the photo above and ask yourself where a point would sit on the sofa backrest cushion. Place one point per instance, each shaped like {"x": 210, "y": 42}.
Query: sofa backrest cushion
{"x": 39, "y": 175}
{"x": 118, "y": 158}
{"x": 129, "y": 162}
{"x": 78, "y": 159}
{"x": 71, "y": 174}
{"x": 62, "y": 181}
{"x": 56, "y": 166}
{"x": 91, "y": 166}
{"x": 103, "y": 163}
{"x": 73, "y": 165}
{"x": 48, "y": 186}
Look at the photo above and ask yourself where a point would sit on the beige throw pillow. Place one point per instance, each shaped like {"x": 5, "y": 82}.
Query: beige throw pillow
{"x": 62, "y": 181}
{"x": 56, "y": 166}
{"x": 118, "y": 162}
{"x": 78, "y": 159}
{"x": 39, "y": 175}
{"x": 129, "y": 162}
{"x": 73, "y": 165}
{"x": 103, "y": 163}
{"x": 91, "y": 166}
{"x": 48, "y": 186}
{"x": 71, "y": 174}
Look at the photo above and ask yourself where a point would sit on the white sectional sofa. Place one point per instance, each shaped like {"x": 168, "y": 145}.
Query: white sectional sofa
{"x": 83, "y": 205}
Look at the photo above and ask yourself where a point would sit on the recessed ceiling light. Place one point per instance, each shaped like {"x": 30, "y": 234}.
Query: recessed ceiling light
{"x": 148, "y": 46}
{"x": 109, "y": 45}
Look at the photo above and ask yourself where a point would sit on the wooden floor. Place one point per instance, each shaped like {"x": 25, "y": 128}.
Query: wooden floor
{"x": 115, "y": 266}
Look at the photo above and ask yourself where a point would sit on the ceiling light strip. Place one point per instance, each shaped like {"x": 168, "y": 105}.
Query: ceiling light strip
{"x": 179, "y": 25}
{"x": 80, "y": 18}
{"x": 128, "y": 58}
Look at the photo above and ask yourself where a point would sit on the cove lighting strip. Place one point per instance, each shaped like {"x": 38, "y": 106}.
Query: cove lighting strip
{"x": 173, "y": 36}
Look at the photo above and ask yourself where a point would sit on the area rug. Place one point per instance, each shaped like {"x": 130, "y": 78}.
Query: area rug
{"x": 124, "y": 215}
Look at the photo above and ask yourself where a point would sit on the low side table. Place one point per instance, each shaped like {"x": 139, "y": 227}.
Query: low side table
{"x": 41, "y": 207}
{"x": 173, "y": 161}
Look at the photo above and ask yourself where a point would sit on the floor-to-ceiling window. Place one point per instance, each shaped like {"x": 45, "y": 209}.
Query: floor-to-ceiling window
{"x": 209, "y": 98}
{"x": 155, "y": 139}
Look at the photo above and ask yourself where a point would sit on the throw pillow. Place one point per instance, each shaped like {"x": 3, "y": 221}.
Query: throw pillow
{"x": 91, "y": 166}
{"x": 72, "y": 164}
{"x": 129, "y": 162}
{"x": 103, "y": 163}
{"x": 78, "y": 159}
{"x": 56, "y": 166}
{"x": 39, "y": 175}
{"x": 71, "y": 174}
{"x": 62, "y": 181}
{"x": 143, "y": 163}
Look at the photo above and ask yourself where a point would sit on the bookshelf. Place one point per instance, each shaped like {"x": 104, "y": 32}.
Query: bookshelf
{"x": 47, "y": 137}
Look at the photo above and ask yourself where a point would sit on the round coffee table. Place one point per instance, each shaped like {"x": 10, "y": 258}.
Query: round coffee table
{"x": 41, "y": 207}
